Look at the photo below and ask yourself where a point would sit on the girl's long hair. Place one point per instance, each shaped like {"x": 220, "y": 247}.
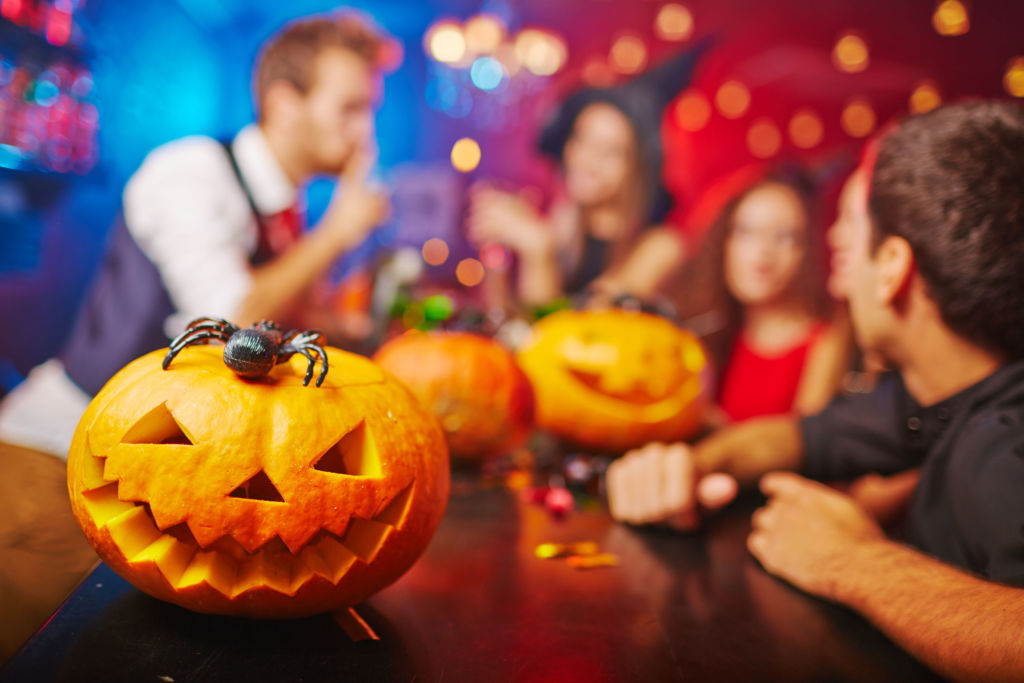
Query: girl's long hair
{"x": 704, "y": 299}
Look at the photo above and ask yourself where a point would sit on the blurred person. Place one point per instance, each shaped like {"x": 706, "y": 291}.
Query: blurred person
{"x": 761, "y": 267}
{"x": 929, "y": 248}
{"x": 213, "y": 229}
{"x": 605, "y": 234}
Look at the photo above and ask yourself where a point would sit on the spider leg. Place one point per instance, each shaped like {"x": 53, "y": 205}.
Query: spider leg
{"x": 304, "y": 349}
{"x": 188, "y": 339}
{"x": 217, "y": 323}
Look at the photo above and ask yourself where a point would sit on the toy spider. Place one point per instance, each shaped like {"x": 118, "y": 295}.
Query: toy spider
{"x": 253, "y": 351}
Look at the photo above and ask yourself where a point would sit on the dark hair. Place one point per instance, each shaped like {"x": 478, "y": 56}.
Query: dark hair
{"x": 713, "y": 311}
{"x": 290, "y": 54}
{"x": 951, "y": 183}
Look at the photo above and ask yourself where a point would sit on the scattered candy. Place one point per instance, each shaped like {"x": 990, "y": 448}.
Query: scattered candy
{"x": 547, "y": 551}
{"x": 558, "y": 500}
{"x": 592, "y": 561}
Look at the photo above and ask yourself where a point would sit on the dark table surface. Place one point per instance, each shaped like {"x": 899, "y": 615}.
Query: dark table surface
{"x": 479, "y": 606}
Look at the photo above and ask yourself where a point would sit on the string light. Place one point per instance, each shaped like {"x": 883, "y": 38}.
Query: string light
{"x": 950, "y": 18}
{"x": 465, "y": 155}
{"x": 628, "y": 54}
{"x": 469, "y": 272}
{"x": 732, "y": 99}
{"x": 540, "y": 52}
{"x": 858, "y": 118}
{"x": 692, "y": 111}
{"x": 850, "y": 53}
{"x": 486, "y": 73}
{"x": 445, "y": 42}
{"x": 763, "y": 138}
{"x": 674, "y": 22}
{"x": 435, "y": 251}
{"x": 484, "y": 33}
{"x": 924, "y": 97}
{"x": 806, "y": 129}
{"x": 1013, "y": 80}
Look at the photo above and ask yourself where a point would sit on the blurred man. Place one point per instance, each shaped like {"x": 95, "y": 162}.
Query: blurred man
{"x": 212, "y": 229}
{"x": 929, "y": 247}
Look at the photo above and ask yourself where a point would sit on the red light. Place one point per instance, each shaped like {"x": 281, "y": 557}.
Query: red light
{"x": 11, "y": 9}
{"x": 58, "y": 26}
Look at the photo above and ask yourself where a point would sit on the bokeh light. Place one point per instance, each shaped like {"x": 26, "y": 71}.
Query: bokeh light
{"x": 732, "y": 99}
{"x": 597, "y": 73}
{"x": 1013, "y": 80}
{"x": 540, "y": 52}
{"x": 674, "y": 22}
{"x": 628, "y": 55}
{"x": 850, "y": 53}
{"x": 692, "y": 111}
{"x": 445, "y": 42}
{"x": 493, "y": 256}
{"x": 465, "y": 155}
{"x": 487, "y": 73}
{"x": 435, "y": 251}
{"x": 484, "y": 33}
{"x": 764, "y": 138}
{"x": 805, "y": 128}
{"x": 924, "y": 97}
{"x": 469, "y": 272}
{"x": 858, "y": 118}
{"x": 950, "y": 18}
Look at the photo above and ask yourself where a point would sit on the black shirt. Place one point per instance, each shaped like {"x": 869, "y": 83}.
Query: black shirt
{"x": 968, "y": 508}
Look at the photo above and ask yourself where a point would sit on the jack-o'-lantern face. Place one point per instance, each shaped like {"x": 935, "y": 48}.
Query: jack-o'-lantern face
{"x": 615, "y": 379}
{"x": 261, "y": 498}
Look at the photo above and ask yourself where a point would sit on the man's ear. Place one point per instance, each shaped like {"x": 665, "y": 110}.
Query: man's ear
{"x": 280, "y": 103}
{"x": 895, "y": 266}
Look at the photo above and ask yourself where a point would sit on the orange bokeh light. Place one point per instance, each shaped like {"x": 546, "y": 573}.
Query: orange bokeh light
{"x": 435, "y": 251}
{"x": 628, "y": 55}
{"x": 484, "y": 33}
{"x": 764, "y": 139}
{"x": 465, "y": 155}
{"x": 469, "y": 272}
{"x": 674, "y": 22}
{"x": 806, "y": 129}
{"x": 858, "y": 118}
{"x": 850, "y": 53}
{"x": 692, "y": 111}
{"x": 950, "y": 18}
{"x": 925, "y": 97}
{"x": 732, "y": 99}
{"x": 1013, "y": 80}
{"x": 445, "y": 42}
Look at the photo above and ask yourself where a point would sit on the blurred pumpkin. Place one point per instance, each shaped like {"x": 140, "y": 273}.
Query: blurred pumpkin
{"x": 472, "y": 384}
{"x": 616, "y": 379}
{"x": 258, "y": 498}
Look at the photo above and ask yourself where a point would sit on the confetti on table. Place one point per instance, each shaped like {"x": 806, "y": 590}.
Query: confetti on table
{"x": 592, "y": 561}
{"x": 548, "y": 551}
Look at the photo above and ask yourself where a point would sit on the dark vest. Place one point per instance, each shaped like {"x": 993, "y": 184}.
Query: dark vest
{"x": 124, "y": 311}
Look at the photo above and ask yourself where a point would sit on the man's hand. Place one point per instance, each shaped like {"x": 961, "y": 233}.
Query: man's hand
{"x": 808, "y": 533}
{"x": 358, "y": 205}
{"x": 660, "y": 483}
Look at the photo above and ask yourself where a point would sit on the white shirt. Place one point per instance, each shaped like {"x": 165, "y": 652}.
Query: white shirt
{"x": 189, "y": 215}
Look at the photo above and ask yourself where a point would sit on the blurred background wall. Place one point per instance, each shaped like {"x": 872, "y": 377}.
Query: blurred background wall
{"x": 88, "y": 87}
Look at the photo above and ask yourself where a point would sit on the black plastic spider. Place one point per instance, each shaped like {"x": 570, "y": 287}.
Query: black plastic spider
{"x": 253, "y": 351}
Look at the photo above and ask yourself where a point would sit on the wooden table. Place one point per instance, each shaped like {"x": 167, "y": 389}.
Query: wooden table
{"x": 479, "y": 606}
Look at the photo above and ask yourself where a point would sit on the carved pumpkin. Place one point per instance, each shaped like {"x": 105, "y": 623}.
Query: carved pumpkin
{"x": 260, "y": 498}
{"x": 614, "y": 379}
{"x": 472, "y": 385}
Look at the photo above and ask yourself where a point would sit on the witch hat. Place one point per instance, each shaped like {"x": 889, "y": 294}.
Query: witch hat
{"x": 642, "y": 100}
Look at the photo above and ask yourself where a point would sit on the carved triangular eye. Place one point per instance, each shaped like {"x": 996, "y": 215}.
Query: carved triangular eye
{"x": 259, "y": 487}
{"x": 355, "y": 454}
{"x": 158, "y": 426}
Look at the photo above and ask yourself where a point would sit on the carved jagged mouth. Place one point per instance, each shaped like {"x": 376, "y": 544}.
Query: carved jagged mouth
{"x": 228, "y": 567}
{"x": 223, "y": 562}
{"x": 595, "y": 382}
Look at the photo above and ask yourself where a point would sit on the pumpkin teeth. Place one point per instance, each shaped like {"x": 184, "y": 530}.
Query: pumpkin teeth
{"x": 229, "y": 568}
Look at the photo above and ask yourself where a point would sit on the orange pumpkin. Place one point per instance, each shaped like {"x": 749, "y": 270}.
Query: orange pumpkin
{"x": 259, "y": 498}
{"x": 472, "y": 384}
{"x": 614, "y": 379}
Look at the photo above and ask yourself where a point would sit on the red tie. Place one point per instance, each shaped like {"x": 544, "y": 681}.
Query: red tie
{"x": 278, "y": 232}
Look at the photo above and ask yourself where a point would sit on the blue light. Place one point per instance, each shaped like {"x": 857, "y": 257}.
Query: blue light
{"x": 45, "y": 93}
{"x": 486, "y": 73}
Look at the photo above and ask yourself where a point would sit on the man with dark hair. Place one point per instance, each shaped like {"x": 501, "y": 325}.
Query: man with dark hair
{"x": 929, "y": 248}
{"x": 212, "y": 228}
